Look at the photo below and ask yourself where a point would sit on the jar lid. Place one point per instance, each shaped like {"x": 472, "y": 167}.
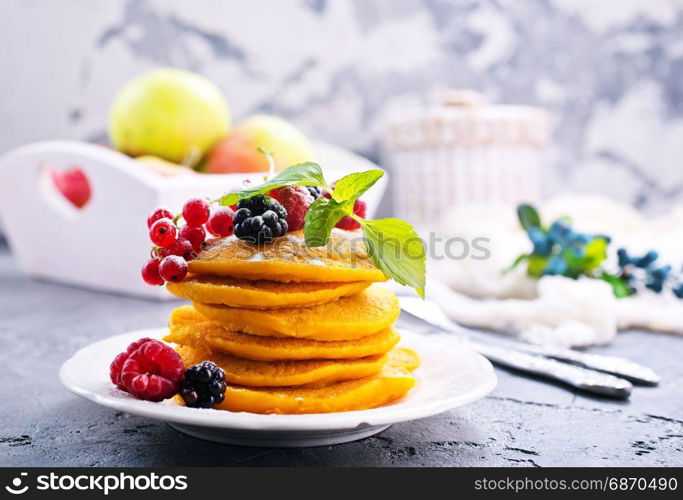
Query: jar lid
{"x": 463, "y": 118}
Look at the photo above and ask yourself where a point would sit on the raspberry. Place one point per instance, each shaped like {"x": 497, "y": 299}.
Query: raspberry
{"x": 204, "y": 385}
{"x": 150, "y": 273}
{"x": 163, "y": 233}
{"x": 173, "y": 268}
{"x": 159, "y": 213}
{"x": 120, "y": 359}
{"x": 296, "y": 200}
{"x": 133, "y": 346}
{"x": 115, "y": 369}
{"x": 220, "y": 222}
{"x": 195, "y": 235}
{"x": 196, "y": 212}
{"x": 349, "y": 224}
{"x": 152, "y": 372}
{"x": 180, "y": 247}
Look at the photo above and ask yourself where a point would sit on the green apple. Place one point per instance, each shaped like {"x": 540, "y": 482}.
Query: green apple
{"x": 169, "y": 113}
{"x": 239, "y": 151}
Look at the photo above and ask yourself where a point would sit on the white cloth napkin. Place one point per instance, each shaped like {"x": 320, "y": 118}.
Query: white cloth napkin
{"x": 555, "y": 310}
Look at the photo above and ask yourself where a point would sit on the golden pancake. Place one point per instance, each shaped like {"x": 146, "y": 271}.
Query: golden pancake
{"x": 252, "y": 373}
{"x": 390, "y": 385}
{"x": 262, "y": 294}
{"x": 188, "y": 327}
{"x": 344, "y": 258}
{"x": 348, "y": 318}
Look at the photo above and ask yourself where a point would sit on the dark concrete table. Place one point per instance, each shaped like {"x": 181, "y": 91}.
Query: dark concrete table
{"x": 522, "y": 423}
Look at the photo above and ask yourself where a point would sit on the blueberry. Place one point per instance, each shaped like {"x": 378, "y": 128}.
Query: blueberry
{"x": 646, "y": 259}
{"x": 556, "y": 266}
{"x": 624, "y": 259}
{"x": 560, "y": 229}
{"x": 580, "y": 239}
{"x": 678, "y": 290}
{"x": 542, "y": 244}
{"x": 315, "y": 191}
{"x": 661, "y": 273}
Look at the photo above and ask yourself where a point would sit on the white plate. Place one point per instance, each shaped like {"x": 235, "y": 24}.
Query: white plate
{"x": 451, "y": 375}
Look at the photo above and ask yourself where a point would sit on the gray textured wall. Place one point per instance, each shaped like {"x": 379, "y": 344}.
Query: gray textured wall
{"x": 611, "y": 71}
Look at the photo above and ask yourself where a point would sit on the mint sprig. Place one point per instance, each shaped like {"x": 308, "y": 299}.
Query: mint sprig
{"x": 303, "y": 174}
{"x": 324, "y": 213}
{"x": 392, "y": 244}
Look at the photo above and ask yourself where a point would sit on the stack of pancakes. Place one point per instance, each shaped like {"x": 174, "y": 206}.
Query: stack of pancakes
{"x": 296, "y": 329}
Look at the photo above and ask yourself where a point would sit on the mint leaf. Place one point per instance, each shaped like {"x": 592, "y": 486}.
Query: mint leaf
{"x": 620, "y": 288}
{"x": 303, "y": 174}
{"x": 322, "y": 216}
{"x": 528, "y": 216}
{"x": 396, "y": 249}
{"x": 352, "y": 186}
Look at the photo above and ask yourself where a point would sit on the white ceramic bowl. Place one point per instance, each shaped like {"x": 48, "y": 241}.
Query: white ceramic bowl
{"x": 450, "y": 375}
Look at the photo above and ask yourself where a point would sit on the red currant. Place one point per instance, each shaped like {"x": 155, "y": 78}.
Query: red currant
{"x": 180, "y": 247}
{"x": 150, "y": 272}
{"x": 173, "y": 268}
{"x": 195, "y": 235}
{"x": 220, "y": 222}
{"x": 163, "y": 233}
{"x": 159, "y": 213}
{"x": 196, "y": 212}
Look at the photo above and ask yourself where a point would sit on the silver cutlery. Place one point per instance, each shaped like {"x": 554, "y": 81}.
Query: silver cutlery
{"x": 577, "y": 369}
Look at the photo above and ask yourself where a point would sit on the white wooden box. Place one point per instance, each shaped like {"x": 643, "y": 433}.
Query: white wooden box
{"x": 103, "y": 245}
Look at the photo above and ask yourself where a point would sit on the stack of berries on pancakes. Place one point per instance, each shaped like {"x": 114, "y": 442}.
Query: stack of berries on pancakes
{"x": 274, "y": 325}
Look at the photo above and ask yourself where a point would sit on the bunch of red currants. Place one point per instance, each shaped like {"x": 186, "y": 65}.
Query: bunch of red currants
{"x": 174, "y": 246}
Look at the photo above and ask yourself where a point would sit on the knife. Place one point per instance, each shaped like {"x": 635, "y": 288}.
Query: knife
{"x": 580, "y": 378}
{"x": 430, "y": 312}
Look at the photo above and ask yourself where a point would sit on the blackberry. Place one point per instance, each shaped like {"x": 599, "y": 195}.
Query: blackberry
{"x": 204, "y": 385}
{"x": 315, "y": 191}
{"x": 260, "y": 219}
